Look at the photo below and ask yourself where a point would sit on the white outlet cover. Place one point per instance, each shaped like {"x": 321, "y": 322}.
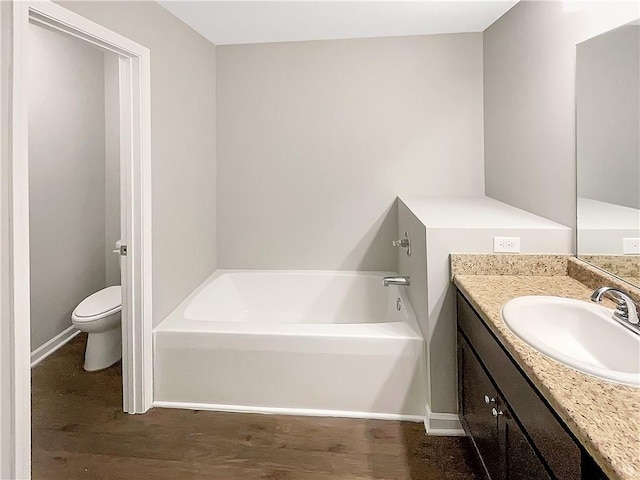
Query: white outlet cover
{"x": 630, "y": 246}
{"x": 506, "y": 244}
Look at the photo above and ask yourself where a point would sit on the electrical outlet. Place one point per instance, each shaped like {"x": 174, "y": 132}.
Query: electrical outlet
{"x": 506, "y": 244}
{"x": 631, "y": 246}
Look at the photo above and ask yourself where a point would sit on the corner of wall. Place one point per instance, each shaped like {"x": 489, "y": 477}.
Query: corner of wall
{"x": 215, "y": 156}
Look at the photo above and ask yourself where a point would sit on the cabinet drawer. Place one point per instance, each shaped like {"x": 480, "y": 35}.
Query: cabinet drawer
{"x": 548, "y": 435}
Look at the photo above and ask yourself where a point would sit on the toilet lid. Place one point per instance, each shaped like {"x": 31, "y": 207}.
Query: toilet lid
{"x": 103, "y": 301}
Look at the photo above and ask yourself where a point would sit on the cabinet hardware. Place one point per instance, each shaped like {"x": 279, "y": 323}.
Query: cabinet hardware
{"x": 489, "y": 400}
{"x": 495, "y": 412}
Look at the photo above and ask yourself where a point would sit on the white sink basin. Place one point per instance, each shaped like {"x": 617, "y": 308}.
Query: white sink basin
{"x": 579, "y": 334}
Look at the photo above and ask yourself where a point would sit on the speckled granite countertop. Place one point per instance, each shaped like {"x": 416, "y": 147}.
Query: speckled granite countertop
{"x": 604, "y": 416}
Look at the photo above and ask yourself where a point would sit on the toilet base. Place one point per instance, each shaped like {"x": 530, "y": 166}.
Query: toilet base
{"x": 103, "y": 349}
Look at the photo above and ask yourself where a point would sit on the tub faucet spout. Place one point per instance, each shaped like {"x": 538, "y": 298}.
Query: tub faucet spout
{"x": 400, "y": 280}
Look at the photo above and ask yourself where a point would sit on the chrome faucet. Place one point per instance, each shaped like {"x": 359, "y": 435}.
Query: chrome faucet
{"x": 626, "y": 312}
{"x": 403, "y": 281}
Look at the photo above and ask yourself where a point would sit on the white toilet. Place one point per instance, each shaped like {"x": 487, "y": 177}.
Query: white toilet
{"x": 99, "y": 316}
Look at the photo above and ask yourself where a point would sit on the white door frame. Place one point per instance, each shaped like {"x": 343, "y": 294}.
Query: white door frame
{"x": 135, "y": 161}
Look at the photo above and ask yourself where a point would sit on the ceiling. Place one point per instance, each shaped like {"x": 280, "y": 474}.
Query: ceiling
{"x": 236, "y": 22}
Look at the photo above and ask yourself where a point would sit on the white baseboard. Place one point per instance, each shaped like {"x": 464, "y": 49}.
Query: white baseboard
{"x": 52, "y": 345}
{"x": 443, "y": 424}
{"x": 307, "y": 412}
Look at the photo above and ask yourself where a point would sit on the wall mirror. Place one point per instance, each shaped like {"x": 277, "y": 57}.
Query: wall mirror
{"x": 608, "y": 151}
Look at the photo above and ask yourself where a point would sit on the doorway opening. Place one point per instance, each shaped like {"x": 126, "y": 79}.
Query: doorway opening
{"x": 74, "y": 197}
{"x": 131, "y": 69}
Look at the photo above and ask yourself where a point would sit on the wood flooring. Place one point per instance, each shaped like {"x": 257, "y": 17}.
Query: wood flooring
{"x": 80, "y": 432}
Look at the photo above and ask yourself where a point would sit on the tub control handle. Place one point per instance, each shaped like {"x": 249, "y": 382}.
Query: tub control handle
{"x": 404, "y": 243}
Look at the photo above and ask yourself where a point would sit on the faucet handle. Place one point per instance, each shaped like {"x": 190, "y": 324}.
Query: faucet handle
{"x": 404, "y": 243}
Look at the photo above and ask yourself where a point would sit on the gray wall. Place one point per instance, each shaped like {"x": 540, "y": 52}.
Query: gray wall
{"x": 112, "y": 167}
{"x": 66, "y": 178}
{"x": 415, "y": 266}
{"x": 529, "y": 72}
{"x": 182, "y": 143}
{"x": 608, "y": 117}
{"x": 316, "y": 139}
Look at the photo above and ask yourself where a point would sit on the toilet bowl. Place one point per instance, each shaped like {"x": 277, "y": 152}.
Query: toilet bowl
{"x": 99, "y": 316}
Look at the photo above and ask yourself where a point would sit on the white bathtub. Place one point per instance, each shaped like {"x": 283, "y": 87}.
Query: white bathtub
{"x": 296, "y": 342}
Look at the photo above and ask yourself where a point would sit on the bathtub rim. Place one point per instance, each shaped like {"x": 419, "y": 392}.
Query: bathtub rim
{"x": 176, "y": 322}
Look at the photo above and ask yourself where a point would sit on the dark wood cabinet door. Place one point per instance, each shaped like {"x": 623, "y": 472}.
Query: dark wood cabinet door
{"x": 476, "y": 390}
{"x": 520, "y": 460}
{"x": 559, "y": 450}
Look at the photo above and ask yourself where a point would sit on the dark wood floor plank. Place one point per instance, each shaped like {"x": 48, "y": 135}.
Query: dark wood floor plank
{"x": 80, "y": 432}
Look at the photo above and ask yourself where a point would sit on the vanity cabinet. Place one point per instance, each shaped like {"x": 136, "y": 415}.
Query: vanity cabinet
{"x": 501, "y": 443}
{"x": 516, "y": 433}
{"x": 477, "y": 395}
